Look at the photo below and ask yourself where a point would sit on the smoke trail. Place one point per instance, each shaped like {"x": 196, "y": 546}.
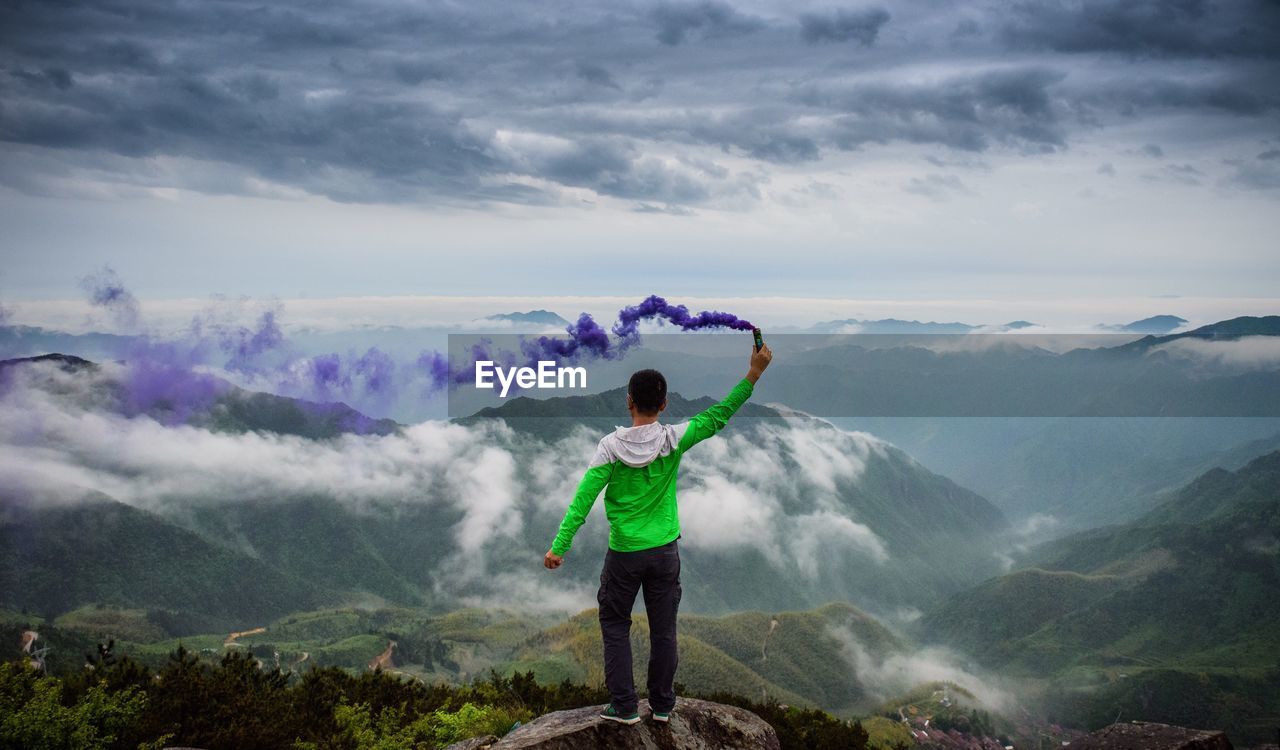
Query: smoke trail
{"x": 243, "y": 344}
{"x": 588, "y": 340}
{"x": 107, "y": 291}
{"x": 174, "y": 379}
{"x": 656, "y": 307}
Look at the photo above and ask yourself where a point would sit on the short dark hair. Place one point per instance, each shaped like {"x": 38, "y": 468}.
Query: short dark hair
{"x": 648, "y": 391}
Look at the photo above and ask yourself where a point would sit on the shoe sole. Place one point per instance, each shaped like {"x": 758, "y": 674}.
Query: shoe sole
{"x": 662, "y": 720}
{"x": 620, "y": 720}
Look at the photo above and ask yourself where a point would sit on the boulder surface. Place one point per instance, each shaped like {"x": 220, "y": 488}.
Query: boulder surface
{"x": 1145, "y": 735}
{"x": 695, "y": 725}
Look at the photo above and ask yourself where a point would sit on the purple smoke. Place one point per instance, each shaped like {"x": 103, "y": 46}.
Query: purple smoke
{"x": 105, "y": 290}
{"x": 174, "y": 380}
{"x": 656, "y": 307}
{"x": 243, "y": 345}
{"x": 161, "y": 380}
{"x": 586, "y": 340}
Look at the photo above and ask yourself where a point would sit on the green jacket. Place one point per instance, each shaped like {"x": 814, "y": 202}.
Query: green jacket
{"x": 637, "y": 468}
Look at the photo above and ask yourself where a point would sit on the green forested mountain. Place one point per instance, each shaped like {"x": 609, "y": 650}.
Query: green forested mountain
{"x": 935, "y": 534}
{"x": 178, "y": 395}
{"x": 54, "y": 559}
{"x": 796, "y": 657}
{"x": 778, "y": 512}
{"x": 1195, "y": 581}
{"x": 1081, "y": 472}
{"x": 1187, "y": 595}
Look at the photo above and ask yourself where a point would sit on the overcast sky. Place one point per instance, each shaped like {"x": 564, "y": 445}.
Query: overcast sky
{"x": 1118, "y": 149}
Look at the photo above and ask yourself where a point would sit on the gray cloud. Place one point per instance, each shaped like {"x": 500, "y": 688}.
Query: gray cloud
{"x": 677, "y": 20}
{"x": 61, "y": 440}
{"x": 1259, "y": 173}
{"x": 937, "y": 186}
{"x": 969, "y": 112}
{"x": 861, "y": 26}
{"x": 1149, "y": 27}
{"x": 529, "y": 102}
{"x": 597, "y": 75}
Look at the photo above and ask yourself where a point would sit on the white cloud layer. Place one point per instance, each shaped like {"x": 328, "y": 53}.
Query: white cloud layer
{"x": 60, "y": 441}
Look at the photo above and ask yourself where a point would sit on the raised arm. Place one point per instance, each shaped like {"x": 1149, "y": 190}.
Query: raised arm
{"x": 594, "y": 480}
{"x": 714, "y": 419}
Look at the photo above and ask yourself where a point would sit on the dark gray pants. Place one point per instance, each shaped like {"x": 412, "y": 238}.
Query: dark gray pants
{"x": 657, "y": 571}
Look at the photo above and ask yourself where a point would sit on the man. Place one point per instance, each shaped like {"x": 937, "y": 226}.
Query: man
{"x": 637, "y": 468}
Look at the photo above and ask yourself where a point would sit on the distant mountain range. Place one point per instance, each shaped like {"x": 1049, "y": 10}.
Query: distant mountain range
{"x": 532, "y": 317}
{"x": 1168, "y": 613}
{"x": 1154, "y": 324}
{"x": 911, "y": 536}
{"x": 1176, "y": 606}
{"x": 202, "y": 400}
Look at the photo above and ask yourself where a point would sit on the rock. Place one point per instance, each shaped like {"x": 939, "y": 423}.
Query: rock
{"x": 475, "y": 743}
{"x": 1143, "y": 735}
{"x": 695, "y": 725}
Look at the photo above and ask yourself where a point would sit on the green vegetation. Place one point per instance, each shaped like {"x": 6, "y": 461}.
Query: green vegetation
{"x": 1171, "y": 617}
{"x": 794, "y": 657}
{"x": 34, "y": 716}
{"x": 115, "y": 703}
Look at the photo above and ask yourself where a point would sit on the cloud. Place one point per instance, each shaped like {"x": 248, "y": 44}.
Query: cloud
{"x": 1181, "y": 174}
{"x": 454, "y": 105}
{"x": 842, "y": 25}
{"x": 596, "y": 75}
{"x": 1259, "y": 173}
{"x": 937, "y": 186}
{"x": 967, "y": 112}
{"x": 63, "y": 438}
{"x": 108, "y": 292}
{"x": 896, "y": 673}
{"x": 712, "y": 19}
{"x": 1246, "y": 353}
{"x": 1158, "y": 28}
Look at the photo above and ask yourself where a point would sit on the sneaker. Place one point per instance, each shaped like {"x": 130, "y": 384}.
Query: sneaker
{"x": 610, "y": 713}
{"x": 662, "y": 716}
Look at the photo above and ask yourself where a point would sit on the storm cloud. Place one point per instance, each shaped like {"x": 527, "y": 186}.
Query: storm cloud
{"x": 665, "y": 106}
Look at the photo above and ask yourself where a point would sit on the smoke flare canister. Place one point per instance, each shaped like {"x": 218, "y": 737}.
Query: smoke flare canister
{"x": 759, "y": 339}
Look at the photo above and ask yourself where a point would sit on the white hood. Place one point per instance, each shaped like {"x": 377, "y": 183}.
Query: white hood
{"x": 641, "y": 446}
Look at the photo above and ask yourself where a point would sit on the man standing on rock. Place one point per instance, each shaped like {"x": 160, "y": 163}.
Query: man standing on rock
{"x": 636, "y": 466}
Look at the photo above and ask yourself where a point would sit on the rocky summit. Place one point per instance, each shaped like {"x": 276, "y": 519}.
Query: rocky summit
{"x": 695, "y": 725}
{"x": 1145, "y": 735}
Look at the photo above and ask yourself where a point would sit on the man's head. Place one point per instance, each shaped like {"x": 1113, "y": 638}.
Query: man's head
{"x": 647, "y": 392}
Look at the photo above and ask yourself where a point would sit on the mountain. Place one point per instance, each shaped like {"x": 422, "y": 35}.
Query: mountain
{"x": 909, "y": 534}
{"x": 1235, "y": 328}
{"x": 1194, "y": 581}
{"x": 27, "y": 341}
{"x": 542, "y": 318}
{"x": 796, "y": 657}
{"x": 60, "y": 557}
{"x": 778, "y": 512}
{"x": 800, "y": 657}
{"x": 888, "y": 325}
{"x": 1186, "y": 595}
{"x": 893, "y": 325}
{"x": 1154, "y": 324}
{"x": 193, "y": 398}
{"x": 1080, "y": 472}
